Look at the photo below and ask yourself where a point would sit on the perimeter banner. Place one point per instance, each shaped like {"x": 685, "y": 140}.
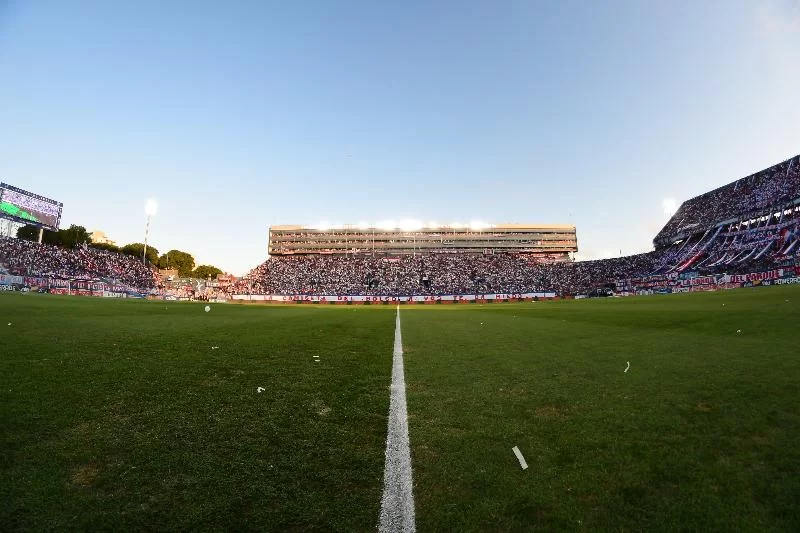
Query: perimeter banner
{"x": 6, "y": 279}
{"x": 453, "y": 298}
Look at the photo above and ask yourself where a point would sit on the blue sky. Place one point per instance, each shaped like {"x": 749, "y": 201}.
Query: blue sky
{"x": 240, "y": 115}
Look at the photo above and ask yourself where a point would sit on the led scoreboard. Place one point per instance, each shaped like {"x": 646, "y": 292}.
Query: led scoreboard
{"x": 28, "y": 208}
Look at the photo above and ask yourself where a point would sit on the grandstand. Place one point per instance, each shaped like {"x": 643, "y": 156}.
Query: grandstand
{"x": 747, "y": 226}
{"x": 751, "y": 225}
{"x": 767, "y": 192}
{"x": 545, "y": 241}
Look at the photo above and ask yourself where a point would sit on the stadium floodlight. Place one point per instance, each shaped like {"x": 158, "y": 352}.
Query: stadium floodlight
{"x": 670, "y": 205}
{"x": 409, "y": 224}
{"x": 150, "y": 207}
{"x": 477, "y": 225}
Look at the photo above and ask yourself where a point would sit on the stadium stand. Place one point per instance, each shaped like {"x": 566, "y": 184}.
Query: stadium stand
{"x": 750, "y": 224}
{"x": 764, "y": 192}
{"x": 27, "y": 258}
{"x": 435, "y": 274}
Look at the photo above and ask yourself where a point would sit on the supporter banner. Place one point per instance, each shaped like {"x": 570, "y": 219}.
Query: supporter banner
{"x": 111, "y": 294}
{"x": 35, "y": 282}
{"x": 786, "y": 281}
{"x": 380, "y": 299}
{"x": 7, "y": 279}
{"x": 719, "y": 280}
{"x": 756, "y": 276}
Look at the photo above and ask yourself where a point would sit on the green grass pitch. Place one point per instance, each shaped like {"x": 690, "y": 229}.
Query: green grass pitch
{"x": 122, "y": 414}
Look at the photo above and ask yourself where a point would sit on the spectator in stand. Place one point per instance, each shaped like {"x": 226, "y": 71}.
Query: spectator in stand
{"x": 43, "y": 260}
{"x": 742, "y": 199}
{"x": 435, "y": 274}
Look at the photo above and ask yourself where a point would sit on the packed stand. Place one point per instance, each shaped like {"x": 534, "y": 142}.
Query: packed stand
{"x": 745, "y": 198}
{"x": 767, "y": 241}
{"x": 26, "y": 258}
{"x": 436, "y": 274}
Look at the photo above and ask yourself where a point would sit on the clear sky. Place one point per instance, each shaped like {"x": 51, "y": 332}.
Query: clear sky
{"x": 238, "y": 115}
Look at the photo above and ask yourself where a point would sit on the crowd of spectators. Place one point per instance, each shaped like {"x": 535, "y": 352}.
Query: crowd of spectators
{"x": 768, "y": 241}
{"x": 771, "y": 188}
{"x": 26, "y": 258}
{"x": 736, "y": 250}
{"x": 436, "y": 274}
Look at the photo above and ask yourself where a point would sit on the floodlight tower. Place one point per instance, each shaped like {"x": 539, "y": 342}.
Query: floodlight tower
{"x": 150, "y": 208}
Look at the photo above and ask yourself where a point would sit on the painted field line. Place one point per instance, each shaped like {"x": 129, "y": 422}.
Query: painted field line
{"x": 397, "y": 502}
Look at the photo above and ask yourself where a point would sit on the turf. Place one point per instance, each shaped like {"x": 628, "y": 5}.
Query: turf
{"x": 120, "y": 415}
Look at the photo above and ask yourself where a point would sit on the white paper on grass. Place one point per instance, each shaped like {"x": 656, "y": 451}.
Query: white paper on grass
{"x": 521, "y": 459}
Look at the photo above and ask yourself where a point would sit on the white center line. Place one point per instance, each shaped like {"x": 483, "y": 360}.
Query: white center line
{"x": 397, "y": 502}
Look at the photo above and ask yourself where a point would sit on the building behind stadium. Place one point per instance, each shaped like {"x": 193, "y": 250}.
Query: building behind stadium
{"x": 545, "y": 242}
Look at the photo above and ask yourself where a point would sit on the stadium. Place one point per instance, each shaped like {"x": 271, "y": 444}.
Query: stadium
{"x": 246, "y": 415}
{"x": 384, "y": 266}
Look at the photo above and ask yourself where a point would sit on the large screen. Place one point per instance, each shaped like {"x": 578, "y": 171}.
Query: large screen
{"x": 28, "y": 208}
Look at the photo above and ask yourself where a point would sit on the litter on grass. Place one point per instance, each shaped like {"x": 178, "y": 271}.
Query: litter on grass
{"x": 208, "y": 308}
{"x": 521, "y": 459}
{"x": 628, "y": 367}
{"x": 260, "y": 389}
{"x": 215, "y": 347}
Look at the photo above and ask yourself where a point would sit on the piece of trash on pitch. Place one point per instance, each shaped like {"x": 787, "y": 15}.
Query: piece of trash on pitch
{"x": 521, "y": 459}
{"x": 738, "y": 331}
{"x": 627, "y": 367}
{"x": 9, "y": 323}
{"x": 208, "y": 308}
{"x": 260, "y": 389}
{"x": 215, "y": 347}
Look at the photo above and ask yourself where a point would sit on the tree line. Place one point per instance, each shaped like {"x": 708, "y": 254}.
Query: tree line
{"x": 75, "y": 235}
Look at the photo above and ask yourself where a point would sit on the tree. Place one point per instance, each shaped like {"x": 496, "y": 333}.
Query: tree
{"x": 73, "y": 236}
{"x": 183, "y": 261}
{"x": 206, "y": 271}
{"x": 68, "y": 238}
{"x": 31, "y": 233}
{"x": 105, "y": 246}
{"x": 28, "y": 233}
{"x": 136, "y": 250}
